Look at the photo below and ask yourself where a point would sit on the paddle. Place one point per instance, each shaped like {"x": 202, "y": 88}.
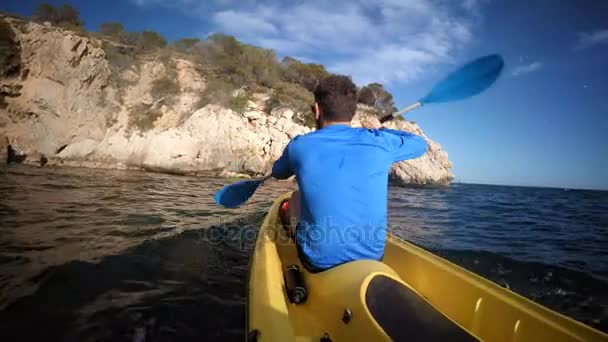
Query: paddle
{"x": 233, "y": 195}
{"x": 469, "y": 80}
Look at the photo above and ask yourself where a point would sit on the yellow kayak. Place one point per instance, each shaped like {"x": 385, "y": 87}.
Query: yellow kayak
{"x": 411, "y": 295}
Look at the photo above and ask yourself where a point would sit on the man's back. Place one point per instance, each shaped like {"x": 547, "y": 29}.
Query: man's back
{"x": 342, "y": 173}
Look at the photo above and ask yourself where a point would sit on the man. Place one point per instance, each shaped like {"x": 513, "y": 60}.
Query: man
{"x": 342, "y": 174}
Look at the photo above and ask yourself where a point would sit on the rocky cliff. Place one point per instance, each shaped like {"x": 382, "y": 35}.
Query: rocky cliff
{"x": 63, "y": 96}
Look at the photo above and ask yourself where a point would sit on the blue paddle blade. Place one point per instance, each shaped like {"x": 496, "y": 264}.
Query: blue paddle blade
{"x": 233, "y": 195}
{"x": 467, "y": 81}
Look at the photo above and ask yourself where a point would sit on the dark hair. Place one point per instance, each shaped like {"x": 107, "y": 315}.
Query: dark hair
{"x": 337, "y": 98}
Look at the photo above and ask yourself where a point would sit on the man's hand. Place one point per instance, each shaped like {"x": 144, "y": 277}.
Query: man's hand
{"x": 386, "y": 118}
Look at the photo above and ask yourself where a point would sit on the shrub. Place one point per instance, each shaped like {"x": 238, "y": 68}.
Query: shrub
{"x": 164, "y": 88}
{"x": 113, "y": 30}
{"x": 219, "y": 91}
{"x": 45, "y": 12}
{"x": 222, "y": 53}
{"x": 10, "y": 52}
{"x": 131, "y": 38}
{"x": 150, "y": 40}
{"x": 69, "y": 15}
{"x": 143, "y": 116}
{"x": 225, "y": 45}
{"x": 185, "y": 45}
{"x": 11, "y": 15}
{"x": 296, "y": 97}
{"x": 260, "y": 65}
{"x": 238, "y": 63}
{"x": 238, "y": 103}
{"x": 307, "y": 75}
{"x": 307, "y": 119}
{"x": 146, "y": 41}
{"x": 64, "y": 15}
{"x": 376, "y": 96}
{"x": 120, "y": 58}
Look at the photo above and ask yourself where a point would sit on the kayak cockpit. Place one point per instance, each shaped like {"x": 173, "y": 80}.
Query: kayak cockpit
{"x": 366, "y": 300}
{"x": 406, "y": 316}
{"x": 363, "y": 300}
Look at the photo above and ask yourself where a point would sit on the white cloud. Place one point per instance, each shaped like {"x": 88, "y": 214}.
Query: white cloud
{"x": 385, "y": 40}
{"x": 388, "y": 41}
{"x": 590, "y": 39}
{"x": 244, "y": 23}
{"x": 526, "y": 69}
{"x": 387, "y": 64}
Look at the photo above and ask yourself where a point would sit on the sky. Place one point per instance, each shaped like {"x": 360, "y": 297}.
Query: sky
{"x": 544, "y": 123}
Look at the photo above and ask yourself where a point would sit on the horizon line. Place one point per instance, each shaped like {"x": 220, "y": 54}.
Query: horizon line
{"x": 529, "y": 186}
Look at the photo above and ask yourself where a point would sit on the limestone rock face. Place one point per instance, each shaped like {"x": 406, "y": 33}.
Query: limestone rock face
{"x": 62, "y": 96}
{"x": 61, "y": 76}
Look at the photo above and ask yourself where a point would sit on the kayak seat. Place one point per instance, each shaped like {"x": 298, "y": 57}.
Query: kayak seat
{"x": 405, "y": 315}
{"x": 336, "y": 300}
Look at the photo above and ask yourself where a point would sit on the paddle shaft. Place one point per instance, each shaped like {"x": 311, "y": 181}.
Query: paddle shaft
{"x": 261, "y": 180}
{"x": 401, "y": 112}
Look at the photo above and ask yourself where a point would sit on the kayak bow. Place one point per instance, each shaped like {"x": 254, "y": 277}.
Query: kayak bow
{"x": 411, "y": 295}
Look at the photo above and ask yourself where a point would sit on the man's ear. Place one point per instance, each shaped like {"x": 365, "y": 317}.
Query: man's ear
{"x": 317, "y": 111}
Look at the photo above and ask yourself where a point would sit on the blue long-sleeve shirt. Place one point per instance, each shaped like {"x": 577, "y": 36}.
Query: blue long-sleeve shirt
{"x": 342, "y": 174}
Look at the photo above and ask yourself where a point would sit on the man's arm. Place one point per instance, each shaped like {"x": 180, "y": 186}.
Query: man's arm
{"x": 282, "y": 167}
{"x": 405, "y": 145}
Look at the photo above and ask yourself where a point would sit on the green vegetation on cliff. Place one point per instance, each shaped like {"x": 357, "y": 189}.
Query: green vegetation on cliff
{"x": 233, "y": 70}
{"x": 64, "y": 15}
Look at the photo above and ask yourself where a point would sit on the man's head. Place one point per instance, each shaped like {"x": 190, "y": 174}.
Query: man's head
{"x": 335, "y": 100}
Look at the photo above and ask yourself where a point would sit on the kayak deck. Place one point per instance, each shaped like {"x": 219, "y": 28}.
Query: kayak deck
{"x": 411, "y": 295}
{"x": 382, "y": 307}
